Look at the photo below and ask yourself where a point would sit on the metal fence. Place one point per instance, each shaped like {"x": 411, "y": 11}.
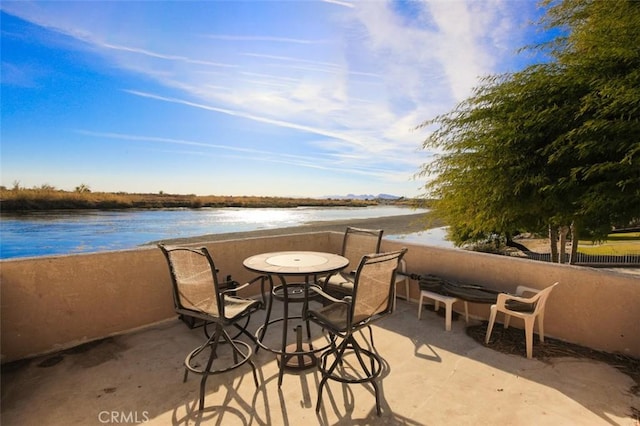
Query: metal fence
{"x": 583, "y": 259}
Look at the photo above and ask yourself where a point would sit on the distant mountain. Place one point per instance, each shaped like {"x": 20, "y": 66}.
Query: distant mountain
{"x": 362, "y": 197}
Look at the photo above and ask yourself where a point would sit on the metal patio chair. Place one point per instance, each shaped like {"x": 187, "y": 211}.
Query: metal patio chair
{"x": 371, "y": 300}
{"x": 357, "y": 242}
{"x": 197, "y": 294}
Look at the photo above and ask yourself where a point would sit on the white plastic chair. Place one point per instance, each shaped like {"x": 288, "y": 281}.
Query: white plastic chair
{"x": 401, "y": 277}
{"x": 522, "y": 307}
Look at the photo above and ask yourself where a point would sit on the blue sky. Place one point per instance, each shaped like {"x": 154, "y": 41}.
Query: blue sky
{"x": 275, "y": 98}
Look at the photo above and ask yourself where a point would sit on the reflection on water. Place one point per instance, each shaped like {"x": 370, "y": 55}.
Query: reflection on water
{"x": 430, "y": 237}
{"x": 64, "y": 232}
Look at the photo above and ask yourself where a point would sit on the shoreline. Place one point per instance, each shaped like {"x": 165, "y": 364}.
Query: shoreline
{"x": 392, "y": 225}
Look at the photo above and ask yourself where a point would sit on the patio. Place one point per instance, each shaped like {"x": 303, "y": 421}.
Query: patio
{"x": 433, "y": 377}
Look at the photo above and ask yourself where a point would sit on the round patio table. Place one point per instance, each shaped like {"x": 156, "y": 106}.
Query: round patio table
{"x": 284, "y": 265}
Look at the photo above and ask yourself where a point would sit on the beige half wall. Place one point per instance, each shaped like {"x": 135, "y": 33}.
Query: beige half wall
{"x": 54, "y": 303}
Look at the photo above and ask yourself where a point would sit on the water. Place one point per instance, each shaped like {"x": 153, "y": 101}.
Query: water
{"x": 430, "y": 237}
{"x": 66, "y": 232}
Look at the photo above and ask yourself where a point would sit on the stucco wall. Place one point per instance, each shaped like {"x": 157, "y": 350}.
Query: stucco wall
{"x": 52, "y": 303}
{"x": 590, "y": 307}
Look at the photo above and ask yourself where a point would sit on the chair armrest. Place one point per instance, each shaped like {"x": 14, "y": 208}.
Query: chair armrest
{"x": 504, "y": 298}
{"x": 318, "y": 290}
{"x": 321, "y": 314}
{"x": 347, "y": 276}
{"x": 234, "y": 290}
{"x": 245, "y": 285}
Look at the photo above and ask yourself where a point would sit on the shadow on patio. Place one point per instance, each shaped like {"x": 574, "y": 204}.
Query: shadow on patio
{"x": 431, "y": 377}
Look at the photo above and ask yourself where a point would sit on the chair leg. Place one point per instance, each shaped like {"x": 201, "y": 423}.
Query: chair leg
{"x": 326, "y": 373}
{"x": 237, "y": 352}
{"x": 214, "y": 346}
{"x": 268, "y": 316}
{"x": 528, "y": 328}
{"x": 420, "y": 301}
{"x": 202, "y": 347}
{"x": 507, "y": 320}
{"x": 219, "y": 336}
{"x": 377, "y": 394}
{"x": 373, "y": 346}
{"x": 356, "y": 349}
{"x": 448, "y": 307}
{"x": 395, "y": 297}
{"x": 370, "y": 373}
{"x": 255, "y": 374}
{"x": 541, "y": 325}
{"x": 319, "y": 401}
{"x": 242, "y": 329}
{"x": 492, "y": 320}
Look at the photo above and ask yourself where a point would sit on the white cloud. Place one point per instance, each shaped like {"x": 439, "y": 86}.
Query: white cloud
{"x": 369, "y": 73}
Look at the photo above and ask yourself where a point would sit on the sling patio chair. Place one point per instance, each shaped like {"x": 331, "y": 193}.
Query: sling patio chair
{"x": 371, "y": 300}
{"x": 356, "y": 243}
{"x": 197, "y": 294}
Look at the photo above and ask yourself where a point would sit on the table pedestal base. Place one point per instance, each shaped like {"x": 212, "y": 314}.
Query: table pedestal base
{"x": 299, "y": 362}
{"x": 296, "y": 358}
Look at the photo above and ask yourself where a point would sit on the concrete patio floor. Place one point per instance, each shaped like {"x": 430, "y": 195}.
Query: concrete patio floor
{"x": 432, "y": 377}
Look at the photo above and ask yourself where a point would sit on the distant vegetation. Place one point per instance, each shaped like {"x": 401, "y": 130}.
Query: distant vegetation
{"x": 47, "y": 197}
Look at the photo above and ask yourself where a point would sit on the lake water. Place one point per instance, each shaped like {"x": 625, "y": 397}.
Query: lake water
{"x": 66, "y": 232}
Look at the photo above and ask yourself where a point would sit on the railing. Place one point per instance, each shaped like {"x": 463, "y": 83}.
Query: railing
{"x": 583, "y": 259}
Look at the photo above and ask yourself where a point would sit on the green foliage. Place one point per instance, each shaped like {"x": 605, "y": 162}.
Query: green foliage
{"x": 602, "y": 150}
{"x": 554, "y": 144}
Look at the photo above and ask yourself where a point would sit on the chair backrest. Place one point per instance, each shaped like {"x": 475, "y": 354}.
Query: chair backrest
{"x": 374, "y": 285}
{"x": 540, "y": 298}
{"x": 194, "y": 279}
{"x": 359, "y": 242}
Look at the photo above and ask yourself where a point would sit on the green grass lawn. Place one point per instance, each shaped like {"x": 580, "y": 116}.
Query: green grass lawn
{"x": 618, "y": 244}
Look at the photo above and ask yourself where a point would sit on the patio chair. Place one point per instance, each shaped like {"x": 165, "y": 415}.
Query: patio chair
{"x": 357, "y": 242}
{"x": 372, "y": 299}
{"x": 197, "y": 294}
{"x": 527, "y": 308}
{"x": 192, "y": 322}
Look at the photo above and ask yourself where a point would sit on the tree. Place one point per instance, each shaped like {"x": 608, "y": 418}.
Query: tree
{"x": 488, "y": 178}
{"x": 82, "y": 188}
{"x": 602, "y": 54}
{"x": 554, "y": 145}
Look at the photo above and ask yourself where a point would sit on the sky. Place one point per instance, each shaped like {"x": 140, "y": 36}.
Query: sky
{"x": 263, "y": 98}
